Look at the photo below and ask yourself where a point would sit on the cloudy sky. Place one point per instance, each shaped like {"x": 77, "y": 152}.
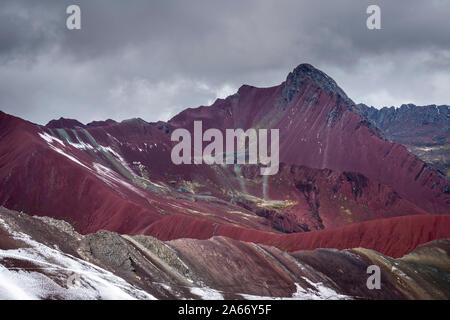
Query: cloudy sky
{"x": 154, "y": 58}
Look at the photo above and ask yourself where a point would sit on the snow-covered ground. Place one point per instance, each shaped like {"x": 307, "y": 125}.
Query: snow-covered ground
{"x": 321, "y": 292}
{"x": 47, "y": 273}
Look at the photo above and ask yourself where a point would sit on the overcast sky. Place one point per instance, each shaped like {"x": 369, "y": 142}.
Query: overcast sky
{"x": 154, "y": 58}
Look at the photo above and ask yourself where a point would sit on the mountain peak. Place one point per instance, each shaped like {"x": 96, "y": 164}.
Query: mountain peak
{"x": 108, "y": 122}
{"x": 64, "y": 123}
{"x": 307, "y": 72}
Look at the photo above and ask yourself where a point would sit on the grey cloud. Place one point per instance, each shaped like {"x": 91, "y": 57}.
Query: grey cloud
{"x": 151, "y": 59}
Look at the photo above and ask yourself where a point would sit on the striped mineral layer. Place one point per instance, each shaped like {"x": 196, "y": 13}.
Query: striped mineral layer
{"x": 43, "y": 258}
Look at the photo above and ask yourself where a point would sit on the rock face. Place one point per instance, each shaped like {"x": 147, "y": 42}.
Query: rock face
{"x": 65, "y": 123}
{"x": 424, "y": 130}
{"x": 305, "y": 74}
{"x": 410, "y": 123}
{"x": 337, "y": 169}
{"x": 44, "y": 259}
{"x": 108, "y": 122}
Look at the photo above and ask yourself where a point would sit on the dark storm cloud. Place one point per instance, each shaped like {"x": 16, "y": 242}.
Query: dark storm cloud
{"x": 151, "y": 59}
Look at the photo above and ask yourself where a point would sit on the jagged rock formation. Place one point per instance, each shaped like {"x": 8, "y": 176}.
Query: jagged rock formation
{"x": 424, "y": 130}
{"x": 65, "y": 123}
{"x": 305, "y": 74}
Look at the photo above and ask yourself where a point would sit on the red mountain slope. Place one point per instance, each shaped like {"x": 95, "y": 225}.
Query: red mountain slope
{"x": 320, "y": 129}
{"x": 94, "y": 180}
{"x": 337, "y": 170}
{"x": 394, "y": 237}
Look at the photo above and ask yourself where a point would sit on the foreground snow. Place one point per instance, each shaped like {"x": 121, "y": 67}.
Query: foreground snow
{"x": 47, "y": 273}
{"x": 322, "y": 293}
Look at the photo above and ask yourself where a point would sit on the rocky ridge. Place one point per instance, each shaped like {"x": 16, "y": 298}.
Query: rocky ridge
{"x": 141, "y": 267}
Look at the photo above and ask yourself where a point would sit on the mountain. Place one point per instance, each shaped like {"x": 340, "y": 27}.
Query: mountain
{"x": 65, "y": 123}
{"x": 43, "y": 258}
{"x": 337, "y": 171}
{"x": 320, "y": 128}
{"x": 424, "y": 130}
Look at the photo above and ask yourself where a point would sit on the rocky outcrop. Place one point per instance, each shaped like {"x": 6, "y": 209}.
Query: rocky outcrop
{"x": 304, "y": 75}
{"x": 64, "y": 123}
{"x": 44, "y": 259}
{"x": 108, "y": 122}
{"x": 408, "y": 121}
{"x": 424, "y": 130}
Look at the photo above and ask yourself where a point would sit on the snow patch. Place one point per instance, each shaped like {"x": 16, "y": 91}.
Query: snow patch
{"x": 107, "y": 175}
{"x": 320, "y": 292}
{"x": 111, "y": 178}
{"x": 399, "y": 273}
{"x": 207, "y": 293}
{"x": 81, "y": 145}
{"x": 119, "y": 158}
{"x": 68, "y": 156}
{"x": 51, "y": 270}
{"x": 50, "y": 140}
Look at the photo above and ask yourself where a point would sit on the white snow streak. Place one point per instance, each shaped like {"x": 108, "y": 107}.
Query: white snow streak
{"x": 50, "y": 140}
{"x": 207, "y": 293}
{"x": 48, "y": 271}
{"x": 111, "y": 178}
{"x": 320, "y": 293}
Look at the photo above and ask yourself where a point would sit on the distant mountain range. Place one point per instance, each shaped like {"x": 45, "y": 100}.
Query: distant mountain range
{"x": 350, "y": 176}
{"x": 424, "y": 130}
